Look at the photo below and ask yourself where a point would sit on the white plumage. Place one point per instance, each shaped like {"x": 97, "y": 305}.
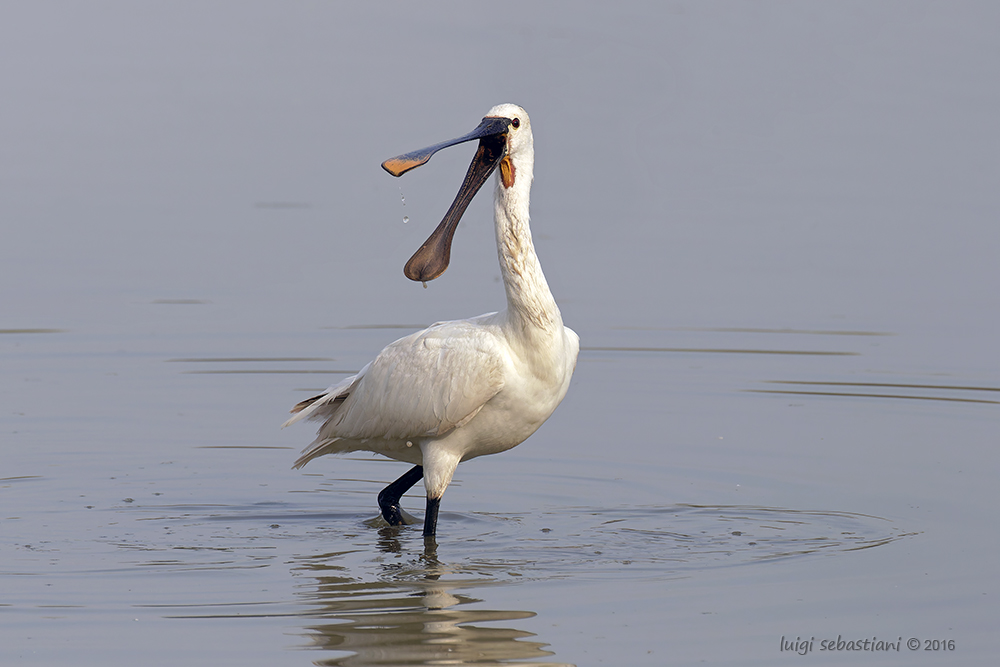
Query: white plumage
{"x": 464, "y": 388}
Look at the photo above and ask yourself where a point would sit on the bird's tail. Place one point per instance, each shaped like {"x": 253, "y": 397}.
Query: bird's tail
{"x": 331, "y": 399}
{"x": 320, "y": 447}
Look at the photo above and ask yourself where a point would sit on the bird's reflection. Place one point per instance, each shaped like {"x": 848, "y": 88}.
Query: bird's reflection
{"x": 412, "y": 612}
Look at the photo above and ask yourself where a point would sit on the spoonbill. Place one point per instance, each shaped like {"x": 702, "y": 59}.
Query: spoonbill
{"x": 464, "y": 388}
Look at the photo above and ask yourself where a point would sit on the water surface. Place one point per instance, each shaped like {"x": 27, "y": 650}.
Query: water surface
{"x": 773, "y": 227}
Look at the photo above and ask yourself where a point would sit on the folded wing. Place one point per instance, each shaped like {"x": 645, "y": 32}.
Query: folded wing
{"x": 425, "y": 384}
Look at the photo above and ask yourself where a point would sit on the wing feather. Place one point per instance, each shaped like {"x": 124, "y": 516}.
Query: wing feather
{"x": 326, "y": 403}
{"x": 425, "y": 384}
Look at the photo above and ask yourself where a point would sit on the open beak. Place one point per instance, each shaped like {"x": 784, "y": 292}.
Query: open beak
{"x": 431, "y": 260}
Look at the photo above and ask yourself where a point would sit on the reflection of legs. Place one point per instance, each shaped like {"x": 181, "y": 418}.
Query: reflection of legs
{"x": 431, "y": 517}
{"x": 388, "y": 499}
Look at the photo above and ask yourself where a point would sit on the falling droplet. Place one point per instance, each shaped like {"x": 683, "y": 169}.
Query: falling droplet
{"x": 402, "y": 198}
{"x": 406, "y": 219}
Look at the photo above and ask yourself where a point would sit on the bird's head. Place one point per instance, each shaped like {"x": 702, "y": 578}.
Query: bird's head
{"x": 505, "y": 140}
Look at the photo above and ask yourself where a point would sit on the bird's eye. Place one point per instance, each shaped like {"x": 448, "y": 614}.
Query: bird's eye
{"x": 516, "y": 123}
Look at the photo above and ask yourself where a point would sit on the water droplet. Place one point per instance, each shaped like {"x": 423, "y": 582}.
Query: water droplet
{"x": 425, "y": 284}
{"x": 402, "y": 198}
{"x": 406, "y": 219}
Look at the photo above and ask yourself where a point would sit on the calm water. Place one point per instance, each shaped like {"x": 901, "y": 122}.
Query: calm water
{"x": 773, "y": 226}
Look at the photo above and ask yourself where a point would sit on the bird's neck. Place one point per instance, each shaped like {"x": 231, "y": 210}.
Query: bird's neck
{"x": 530, "y": 305}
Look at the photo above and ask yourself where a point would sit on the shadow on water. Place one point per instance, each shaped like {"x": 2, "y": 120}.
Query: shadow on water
{"x": 404, "y": 603}
{"x": 415, "y": 612}
{"x": 385, "y": 595}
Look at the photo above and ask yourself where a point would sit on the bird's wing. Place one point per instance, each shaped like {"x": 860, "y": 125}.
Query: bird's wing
{"x": 327, "y": 403}
{"x": 425, "y": 384}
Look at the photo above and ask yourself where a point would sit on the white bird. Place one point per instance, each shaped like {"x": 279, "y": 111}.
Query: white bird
{"x": 465, "y": 388}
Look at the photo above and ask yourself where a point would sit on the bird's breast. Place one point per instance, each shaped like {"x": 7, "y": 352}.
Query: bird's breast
{"x": 530, "y": 395}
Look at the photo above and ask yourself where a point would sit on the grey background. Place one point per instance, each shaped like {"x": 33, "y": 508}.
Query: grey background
{"x": 730, "y": 199}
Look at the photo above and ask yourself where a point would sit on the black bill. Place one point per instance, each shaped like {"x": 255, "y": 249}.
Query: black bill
{"x": 431, "y": 260}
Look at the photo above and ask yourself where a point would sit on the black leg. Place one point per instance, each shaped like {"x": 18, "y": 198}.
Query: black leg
{"x": 431, "y": 516}
{"x": 388, "y": 498}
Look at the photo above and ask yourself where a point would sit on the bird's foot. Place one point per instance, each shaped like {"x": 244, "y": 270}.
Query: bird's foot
{"x": 393, "y": 514}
